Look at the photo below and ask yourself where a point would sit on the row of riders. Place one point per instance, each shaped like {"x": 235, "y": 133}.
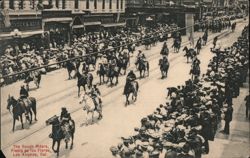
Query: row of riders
{"x": 112, "y": 62}
{"x": 216, "y": 25}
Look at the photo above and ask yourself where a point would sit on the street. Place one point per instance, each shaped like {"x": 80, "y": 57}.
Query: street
{"x": 94, "y": 140}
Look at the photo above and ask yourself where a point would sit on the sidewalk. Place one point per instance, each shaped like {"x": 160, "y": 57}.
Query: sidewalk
{"x": 237, "y": 144}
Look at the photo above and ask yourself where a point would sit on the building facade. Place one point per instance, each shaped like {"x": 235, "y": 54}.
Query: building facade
{"x": 160, "y": 11}
{"x": 58, "y": 18}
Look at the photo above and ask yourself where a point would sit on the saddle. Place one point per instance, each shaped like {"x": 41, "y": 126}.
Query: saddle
{"x": 26, "y": 104}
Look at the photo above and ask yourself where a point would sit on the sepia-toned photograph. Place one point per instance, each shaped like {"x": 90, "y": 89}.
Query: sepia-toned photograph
{"x": 124, "y": 79}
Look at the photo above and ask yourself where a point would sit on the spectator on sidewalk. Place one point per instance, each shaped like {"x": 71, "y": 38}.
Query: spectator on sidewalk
{"x": 228, "y": 118}
{"x": 247, "y": 107}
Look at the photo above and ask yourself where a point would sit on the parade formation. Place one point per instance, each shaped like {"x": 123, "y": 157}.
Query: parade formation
{"x": 161, "y": 88}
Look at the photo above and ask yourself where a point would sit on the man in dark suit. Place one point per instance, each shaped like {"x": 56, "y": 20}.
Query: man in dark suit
{"x": 228, "y": 118}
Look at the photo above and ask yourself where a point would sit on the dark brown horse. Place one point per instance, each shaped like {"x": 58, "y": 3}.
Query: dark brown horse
{"x": 58, "y": 134}
{"x": 143, "y": 67}
{"x": 131, "y": 88}
{"x": 83, "y": 80}
{"x": 190, "y": 53}
{"x": 19, "y": 108}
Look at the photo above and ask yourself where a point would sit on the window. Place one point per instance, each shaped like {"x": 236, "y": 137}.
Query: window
{"x": 87, "y": 4}
{"x": 103, "y": 4}
{"x": 121, "y": 4}
{"x": 63, "y": 4}
{"x": 76, "y": 4}
{"x": 117, "y": 4}
{"x": 95, "y": 4}
{"x": 110, "y": 4}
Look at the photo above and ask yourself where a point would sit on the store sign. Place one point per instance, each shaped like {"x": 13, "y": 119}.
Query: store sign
{"x": 22, "y": 25}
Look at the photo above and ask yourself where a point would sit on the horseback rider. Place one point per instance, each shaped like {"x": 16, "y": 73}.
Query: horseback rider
{"x": 198, "y": 45}
{"x": 96, "y": 94}
{"x": 131, "y": 77}
{"x": 24, "y": 94}
{"x": 165, "y": 50}
{"x": 65, "y": 119}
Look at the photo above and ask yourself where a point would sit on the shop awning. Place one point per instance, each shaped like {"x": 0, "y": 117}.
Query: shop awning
{"x": 62, "y": 19}
{"x": 77, "y": 26}
{"x": 92, "y": 23}
{"x": 23, "y": 34}
{"x": 114, "y": 24}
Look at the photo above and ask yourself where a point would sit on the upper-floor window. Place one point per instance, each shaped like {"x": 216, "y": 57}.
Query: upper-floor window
{"x": 87, "y": 4}
{"x": 121, "y": 4}
{"x": 103, "y": 4}
{"x": 95, "y": 4}
{"x": 76, "y": 4}
{"x": 117, "y": 4}
{"x": 110, "y": 4}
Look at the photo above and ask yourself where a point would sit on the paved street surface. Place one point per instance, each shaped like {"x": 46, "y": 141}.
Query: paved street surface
{"x": 94, "y": 141}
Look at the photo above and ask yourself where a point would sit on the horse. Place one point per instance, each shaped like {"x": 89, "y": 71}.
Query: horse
{"x": 101, "y": 72}
{"x": 147, "y": 42}
{"x": 91, "y": 105}
{"x": 91, "y": 60}
{"x": 177, "y": 45}
{"x": 122, "y": 63}
{"x": 190, "y": 53}
{"x": 131, "y": 88}
{"x": 164, "y": 66}
{"x": 18, "y": 109}
{"x": 83, "y": 80}
{"x": 195, "y": 70}
{"x": 58, "y": 134}
{"x": 164, "y": 51}
{"x": 35, "y": 76}
{"x": 70, "y": 67}
{"x": 112, "y": 72}
{"x": 143, "y": 66}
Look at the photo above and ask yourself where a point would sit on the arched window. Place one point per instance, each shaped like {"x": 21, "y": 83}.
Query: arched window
{"x": 117, "y": 4}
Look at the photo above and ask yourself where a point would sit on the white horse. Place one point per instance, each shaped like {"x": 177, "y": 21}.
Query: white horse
{"x": 90, "y": 107}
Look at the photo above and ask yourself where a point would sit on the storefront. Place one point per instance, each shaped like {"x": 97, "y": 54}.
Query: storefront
{"x": 22, "y": 29}
{"x": 58, "y": 25}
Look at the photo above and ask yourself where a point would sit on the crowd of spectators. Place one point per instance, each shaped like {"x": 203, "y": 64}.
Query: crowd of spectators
{"x": 19, "y": 58}
{"x": 184, "y": 125}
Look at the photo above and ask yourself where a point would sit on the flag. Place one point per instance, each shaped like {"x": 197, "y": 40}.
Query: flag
{"x": 6, "y": 18}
